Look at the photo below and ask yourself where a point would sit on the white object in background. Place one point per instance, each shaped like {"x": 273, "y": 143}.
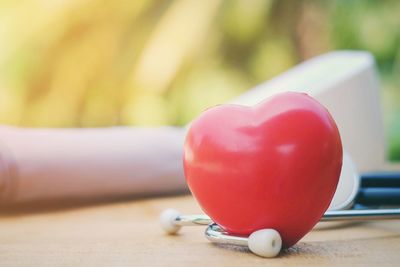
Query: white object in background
{"x": 345, "y": 82}
{"x": 348, "y": 186}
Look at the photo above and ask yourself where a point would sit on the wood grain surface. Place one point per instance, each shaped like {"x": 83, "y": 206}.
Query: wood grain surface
{"x": 128, "y": 234}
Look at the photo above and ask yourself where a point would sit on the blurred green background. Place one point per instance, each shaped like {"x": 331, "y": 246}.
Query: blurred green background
{"x": 89, "y": 63}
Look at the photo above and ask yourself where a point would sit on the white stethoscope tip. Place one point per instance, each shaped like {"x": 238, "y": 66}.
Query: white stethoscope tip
{"x": 167, "y": 221}
{"x": 266, "y": 243}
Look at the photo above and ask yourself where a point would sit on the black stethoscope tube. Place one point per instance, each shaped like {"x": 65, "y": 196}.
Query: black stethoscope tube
{"x": 379, "y": 188}
{"x": 380, "y": 179}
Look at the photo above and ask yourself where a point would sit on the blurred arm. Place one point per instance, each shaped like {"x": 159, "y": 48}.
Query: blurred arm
{"x": 62, "y": 164}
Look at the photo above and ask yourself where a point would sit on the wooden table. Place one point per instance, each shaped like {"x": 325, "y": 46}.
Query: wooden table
{"x": 128, "y": 234}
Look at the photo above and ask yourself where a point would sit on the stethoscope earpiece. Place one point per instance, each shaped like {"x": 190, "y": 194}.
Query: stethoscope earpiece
{"x": 266, "y": 243}
{"x": 167, "y": 221}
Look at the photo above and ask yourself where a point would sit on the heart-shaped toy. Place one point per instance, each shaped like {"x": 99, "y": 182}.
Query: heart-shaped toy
{"x": 275, "y": 165}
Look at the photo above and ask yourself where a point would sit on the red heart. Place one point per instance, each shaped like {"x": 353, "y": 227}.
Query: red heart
{"x": 275, "y": 165}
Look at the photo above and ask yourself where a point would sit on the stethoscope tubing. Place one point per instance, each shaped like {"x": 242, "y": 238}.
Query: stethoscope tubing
{"x": 329, "y": 216}
{"x": 216, "y": 234}
{"x": 380, "y": 179}
{"x": 379, "y": 188}
{"x": 361, "y": 215}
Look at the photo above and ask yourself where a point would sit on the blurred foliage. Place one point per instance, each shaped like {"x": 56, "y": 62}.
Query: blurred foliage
{"x": 70, "y": 63}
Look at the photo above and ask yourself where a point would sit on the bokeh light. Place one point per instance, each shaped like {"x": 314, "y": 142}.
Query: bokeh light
{"x": 90, "y": 63}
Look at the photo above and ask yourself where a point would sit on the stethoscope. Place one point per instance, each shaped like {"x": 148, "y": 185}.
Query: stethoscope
{"x": 364, "y": 194}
